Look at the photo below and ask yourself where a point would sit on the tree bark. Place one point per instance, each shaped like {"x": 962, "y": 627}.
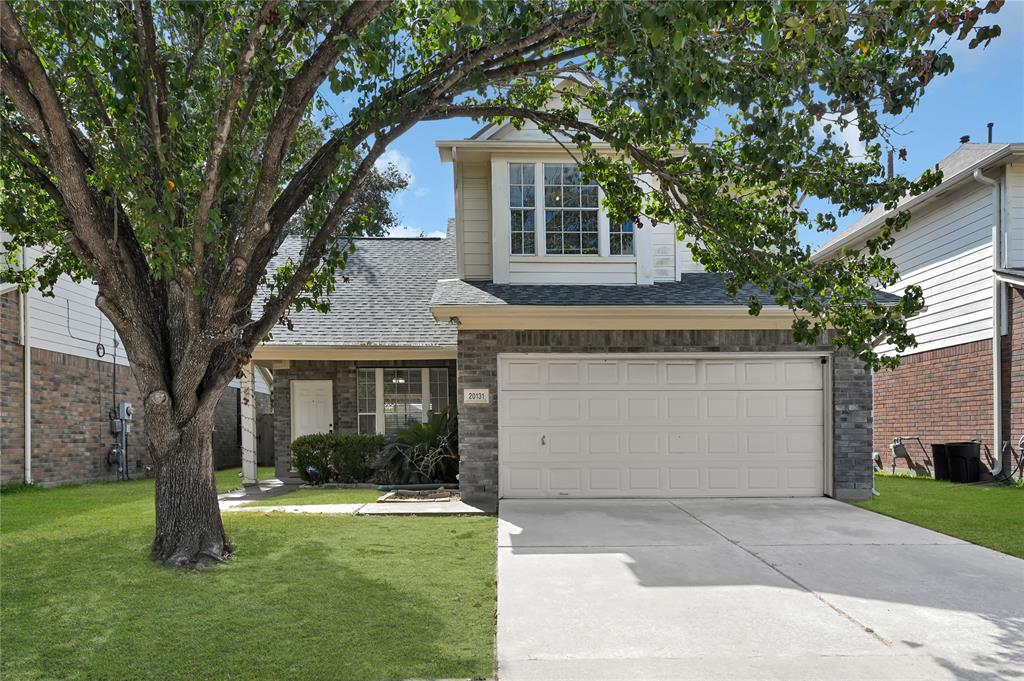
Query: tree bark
{"x": 189, "y": 531}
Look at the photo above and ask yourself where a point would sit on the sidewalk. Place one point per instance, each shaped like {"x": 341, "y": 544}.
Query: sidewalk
{"x": 267, "y": 489}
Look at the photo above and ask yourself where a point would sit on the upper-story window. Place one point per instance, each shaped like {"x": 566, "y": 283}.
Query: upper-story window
{"x": 568, "y": 206}
{"x": 570, "y": 211}
{"x": 523, "y": 205}
{"x": 621, "y": 238}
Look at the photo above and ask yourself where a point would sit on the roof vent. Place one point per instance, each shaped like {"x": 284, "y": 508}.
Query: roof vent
{"x": 964, "y": 139}
{"x": 990, "y": 126}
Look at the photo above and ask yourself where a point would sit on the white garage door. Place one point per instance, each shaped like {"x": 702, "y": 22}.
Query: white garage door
{"x": 604, "y": 426}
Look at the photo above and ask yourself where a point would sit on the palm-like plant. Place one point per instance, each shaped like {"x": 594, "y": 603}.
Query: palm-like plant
{"x": 423, "y": 452}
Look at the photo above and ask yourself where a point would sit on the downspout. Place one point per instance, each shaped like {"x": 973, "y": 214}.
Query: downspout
{"x": 26, "y": 346}
{"x": 997, "y": 322}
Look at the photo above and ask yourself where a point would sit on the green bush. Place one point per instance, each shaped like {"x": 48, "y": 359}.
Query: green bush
{"x": 311, "y": 456}
{"x": 336, "y": 457}
{"x": 353, "y": 457}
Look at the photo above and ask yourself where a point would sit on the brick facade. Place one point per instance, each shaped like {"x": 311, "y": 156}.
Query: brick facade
{"x": 343, "y": 375}
{"x": 478, "y": 368}
{"x": 945, "y": 395}
{"x": 71, "y": 398}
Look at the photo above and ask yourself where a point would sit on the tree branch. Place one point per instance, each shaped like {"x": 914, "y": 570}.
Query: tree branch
{"x": 155, "y": 99}
{"x": 211, "y": 176}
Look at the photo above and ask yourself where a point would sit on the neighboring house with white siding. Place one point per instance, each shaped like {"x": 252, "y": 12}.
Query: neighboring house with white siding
{"x": 584, "y": 358}
{"x": 73, "y": 385}
{"x": 964, "y": 246}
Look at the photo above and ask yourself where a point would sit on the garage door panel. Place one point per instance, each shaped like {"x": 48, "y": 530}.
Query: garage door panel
{"x": 661, "y": 427}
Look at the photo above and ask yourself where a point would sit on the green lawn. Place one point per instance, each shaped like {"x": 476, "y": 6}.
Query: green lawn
{"x": 331, "y": 495}
{"x": 987, "y": 515}
{"x": 305, "y": 597}
{"x": 231, "y": 478}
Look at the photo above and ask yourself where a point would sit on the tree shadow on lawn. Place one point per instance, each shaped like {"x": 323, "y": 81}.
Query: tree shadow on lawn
{"x": 300, "y": 601}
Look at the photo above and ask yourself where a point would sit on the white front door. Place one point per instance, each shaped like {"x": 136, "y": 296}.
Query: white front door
{"x": 312, "y": 407}
{"x": 669, "y": 426}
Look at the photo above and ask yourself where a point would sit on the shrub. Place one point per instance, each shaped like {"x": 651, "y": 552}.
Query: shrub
{"x": 423, "y": 452}
{"x": 311, "y": 456}
{"x": 353, "y": 457}
{"x": 336, "y": 457}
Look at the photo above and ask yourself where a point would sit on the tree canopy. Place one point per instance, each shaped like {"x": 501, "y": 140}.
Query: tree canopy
{"x": 163, "y": 148}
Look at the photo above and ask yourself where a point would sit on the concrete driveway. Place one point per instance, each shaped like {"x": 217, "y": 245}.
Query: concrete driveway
{"x": 784, "y": 589}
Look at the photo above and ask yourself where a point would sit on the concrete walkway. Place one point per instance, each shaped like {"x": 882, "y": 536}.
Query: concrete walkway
{"x": 234, "y": 501}
{"x": 790, "y": 589}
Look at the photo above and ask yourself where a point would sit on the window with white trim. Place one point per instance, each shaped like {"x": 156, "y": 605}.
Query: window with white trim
{"x": 389, "y": 399}
{"x": 522, "y": 201}
{"x": 621, "y": 238}
{"x": 366, "y": 400}
{"x": 570, "y": 211}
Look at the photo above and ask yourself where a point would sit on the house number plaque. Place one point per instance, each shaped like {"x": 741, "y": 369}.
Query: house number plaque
{"x": 476, "y": 396}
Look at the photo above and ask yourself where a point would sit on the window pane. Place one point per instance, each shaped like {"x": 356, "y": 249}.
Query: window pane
{"x": 528, "y": 217}
{"x": 521, "y": 199}
{"x": 552, "y": 221}
{"x": 588, "y": 220}
{"x": 438, "y": 390}
{"x": 571, "y": 197}
{"x": 571, "y": 221}
{"x": 553, "y": 242}
{"x": 622, "y": 238}
{"x": 367, "y": 424}
{"x": 366, "y": 390}
{"x": 570, "y": 216}
{"x": 552, "y": 197}
{"x": 403, "y": 398}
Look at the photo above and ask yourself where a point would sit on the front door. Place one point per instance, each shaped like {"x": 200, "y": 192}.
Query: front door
{"x": 312, "y": 407}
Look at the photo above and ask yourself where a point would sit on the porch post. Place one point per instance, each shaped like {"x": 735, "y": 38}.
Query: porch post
{"x": 248, "y": 417}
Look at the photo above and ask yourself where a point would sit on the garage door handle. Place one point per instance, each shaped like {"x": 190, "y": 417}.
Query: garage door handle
{"x": 543, "y": 439}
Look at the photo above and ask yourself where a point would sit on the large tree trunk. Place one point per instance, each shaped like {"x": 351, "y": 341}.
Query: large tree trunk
{"x": 189, "y": 531}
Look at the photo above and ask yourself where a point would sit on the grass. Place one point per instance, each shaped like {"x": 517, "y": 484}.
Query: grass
{"x": 305, "y": 597}
{"x": 331, "y": 495}
{"x": 986, "y": 515}
{"x": 231, "y": 478}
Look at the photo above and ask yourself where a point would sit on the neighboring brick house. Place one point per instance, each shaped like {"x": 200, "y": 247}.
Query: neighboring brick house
{"x": 590, "y": 359}
{"x": 73, "y": 388}
{"x": 943, "y": 389}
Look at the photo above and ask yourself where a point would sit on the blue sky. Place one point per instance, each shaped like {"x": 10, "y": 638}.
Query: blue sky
{"x": 986, "y": 85}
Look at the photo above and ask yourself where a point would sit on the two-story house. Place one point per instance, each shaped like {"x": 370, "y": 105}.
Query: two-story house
{"x": 964, "y": 246}
{"x": 585, "y": 358}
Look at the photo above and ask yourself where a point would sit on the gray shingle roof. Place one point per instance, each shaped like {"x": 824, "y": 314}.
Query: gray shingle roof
{"x": 384, "y": 301}
{"x": 693, "y": 288}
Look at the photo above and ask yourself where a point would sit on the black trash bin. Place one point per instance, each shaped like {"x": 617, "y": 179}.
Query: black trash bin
{"x": 940, "y": 461}
{"x": 964, "y": 461}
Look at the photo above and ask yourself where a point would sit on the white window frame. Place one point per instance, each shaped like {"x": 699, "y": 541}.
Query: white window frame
{"x": 502, "y": 258}
{"x": 379, "y": 394}
{"x": 540, "y": 192}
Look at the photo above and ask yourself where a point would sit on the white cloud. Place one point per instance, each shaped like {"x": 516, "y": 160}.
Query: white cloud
{"x": 405, "y": 232}
{"x": 850, "y": 134}
{"x": 404, "y": 165}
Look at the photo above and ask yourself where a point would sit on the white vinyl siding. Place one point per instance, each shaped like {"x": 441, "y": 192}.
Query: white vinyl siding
{"x": 1013, "y": 219}
{"x": 946, "y": 249}
{"x": 70, "y": 323}
{"x": 475, "y": 220}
